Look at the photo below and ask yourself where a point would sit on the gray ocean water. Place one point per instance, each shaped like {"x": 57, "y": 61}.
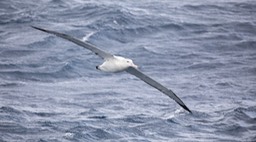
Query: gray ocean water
{"x": 205, "y": 51}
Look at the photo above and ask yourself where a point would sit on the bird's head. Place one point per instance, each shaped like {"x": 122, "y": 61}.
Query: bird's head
{"x": 124, "y": 63}
{"x": 130, "y": 63}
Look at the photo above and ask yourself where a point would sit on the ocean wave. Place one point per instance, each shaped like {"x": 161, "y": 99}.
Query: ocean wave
{"x": 43, "y": 114}
{"x": 13, "y": 128}
{"x": 243, "y": 6}
{"x": 62, "y": 72}
{"x": 8, "y": 66}
{"x": 9, "y": 114}
{"x": 15, "y": 53}
{"x": 242, "y": 27}
{"x": 150, "y": 29}
{"x": 16, "y": 12}
{"x": 205, "y": 7}
{"x": 7, "y": 109}
{"x": 243, "y": 45}
{"x": 205, "y": 65}
{"x": 10, "y": 84}
{"x": 223, "y": 7}
{"x": 237, "y": 122}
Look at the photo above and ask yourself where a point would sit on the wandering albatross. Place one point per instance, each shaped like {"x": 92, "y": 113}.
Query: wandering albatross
{"x": 113, "y": 64}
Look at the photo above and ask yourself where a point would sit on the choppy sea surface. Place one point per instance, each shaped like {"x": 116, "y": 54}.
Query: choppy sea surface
{"x": 205, "y": 51}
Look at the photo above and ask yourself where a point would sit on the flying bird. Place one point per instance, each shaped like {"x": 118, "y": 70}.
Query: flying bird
{"x": 113, "y": 64}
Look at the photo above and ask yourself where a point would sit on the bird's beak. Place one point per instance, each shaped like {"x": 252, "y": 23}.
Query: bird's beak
{"x": 135, "y": 66}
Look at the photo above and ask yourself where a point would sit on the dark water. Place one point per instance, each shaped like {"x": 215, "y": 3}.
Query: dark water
{"x": 205, "y": 51}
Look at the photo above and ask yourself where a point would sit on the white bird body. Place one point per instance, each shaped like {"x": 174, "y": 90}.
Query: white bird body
{"x": 115, "y": 64}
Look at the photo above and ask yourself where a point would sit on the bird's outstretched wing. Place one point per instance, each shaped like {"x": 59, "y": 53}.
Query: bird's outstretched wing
{"x": 104, "y": 55}
{"x": 156, "y": 85}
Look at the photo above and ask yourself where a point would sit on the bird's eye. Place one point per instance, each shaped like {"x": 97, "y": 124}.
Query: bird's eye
{"x": 128, "y": 61}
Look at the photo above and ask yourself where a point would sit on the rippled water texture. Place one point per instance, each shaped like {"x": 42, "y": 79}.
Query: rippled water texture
{"x": 205, "y": 51}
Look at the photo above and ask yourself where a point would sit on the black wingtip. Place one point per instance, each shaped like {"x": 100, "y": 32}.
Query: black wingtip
{"x": 186, "y": 108}
{"x": 39, "y": 28}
